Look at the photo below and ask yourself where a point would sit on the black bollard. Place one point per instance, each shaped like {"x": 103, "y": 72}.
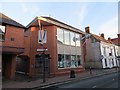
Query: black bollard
{"x": 72, "y": 74}
{"x": 90, "y": 70}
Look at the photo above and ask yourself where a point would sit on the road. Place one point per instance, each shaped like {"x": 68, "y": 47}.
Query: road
{"x": 104, "y": 81}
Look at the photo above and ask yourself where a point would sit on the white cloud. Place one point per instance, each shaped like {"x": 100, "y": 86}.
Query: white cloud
{"x": 83, "y": 12}
{"x": 30, "y": 9}
{"x": 110, "y": 28}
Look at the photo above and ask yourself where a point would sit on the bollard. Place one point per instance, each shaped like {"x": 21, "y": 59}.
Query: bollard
{"x": 90, "y": 70}
{"x": 72, "y": 74}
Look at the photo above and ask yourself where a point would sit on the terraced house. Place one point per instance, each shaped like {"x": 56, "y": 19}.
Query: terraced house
{"x": 60, "y": 43}
{"x": 100, "y": 53}
{"x": 11, "y": 44}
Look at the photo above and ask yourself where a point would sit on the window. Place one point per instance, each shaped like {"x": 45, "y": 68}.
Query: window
{"x": 2, "y": 32}
{"x": 110, "y": 52}
{"x": 60, "y": 36}
{"x": 77, "y": 40}
{"x": 104, "y": 51}
{"x": 60, "y": 61}
{"x": 67, "y": 60}
{"x": 72, "y": 38}
{"x": 105, "y": 62}
{"x": 79, "y": 60}
{"x": 112, "y": 62}
{"x": 42, "y": 36}
{"x": 93, "y": 40}
{"x": 67, "y": 37}
{"x": 73, "y": 61}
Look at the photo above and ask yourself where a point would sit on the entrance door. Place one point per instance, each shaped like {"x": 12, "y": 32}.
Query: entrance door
{"x": 42, "y": 65}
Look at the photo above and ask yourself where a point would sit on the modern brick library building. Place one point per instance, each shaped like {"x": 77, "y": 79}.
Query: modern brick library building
{"x": 64, "y": 49}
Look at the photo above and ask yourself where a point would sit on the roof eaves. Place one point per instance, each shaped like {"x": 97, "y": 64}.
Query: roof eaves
{"x": 35, "y": 19}
{"x": 11, "y": 22}
{"x": 58, "y": 23}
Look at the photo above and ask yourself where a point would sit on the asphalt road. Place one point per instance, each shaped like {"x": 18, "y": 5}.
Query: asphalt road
{"x": 104, "y": 81}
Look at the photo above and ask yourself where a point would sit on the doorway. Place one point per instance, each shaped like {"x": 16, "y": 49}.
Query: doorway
{"x": 42, "y": 65}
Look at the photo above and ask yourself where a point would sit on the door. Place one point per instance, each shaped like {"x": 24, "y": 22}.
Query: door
{"x": 42, "y": 65}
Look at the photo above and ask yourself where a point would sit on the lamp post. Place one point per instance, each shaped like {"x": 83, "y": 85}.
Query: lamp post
{"x": 44, "y": 66}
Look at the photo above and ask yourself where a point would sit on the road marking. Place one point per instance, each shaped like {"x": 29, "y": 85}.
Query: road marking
{"x": 94, "y": 86}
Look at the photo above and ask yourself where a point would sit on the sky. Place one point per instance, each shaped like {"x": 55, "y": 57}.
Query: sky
{"x": 102, "y": 17}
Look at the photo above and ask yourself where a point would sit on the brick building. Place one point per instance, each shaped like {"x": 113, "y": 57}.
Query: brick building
{"x": 11, "y": 44}
{"x": 100, "y": 53}
{"x": 61, "y": 42}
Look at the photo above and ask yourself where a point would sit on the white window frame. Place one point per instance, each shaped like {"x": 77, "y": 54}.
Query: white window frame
{"x": 3, "y": 28}
{"x": 42, "y": 35}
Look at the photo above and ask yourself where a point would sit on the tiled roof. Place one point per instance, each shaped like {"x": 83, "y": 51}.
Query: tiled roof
{"x": 115, "y": 41}
{"x": 101, "y": 38}
{"x": 5, "y": 19}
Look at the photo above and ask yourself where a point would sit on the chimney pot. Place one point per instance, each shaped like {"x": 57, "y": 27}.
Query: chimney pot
{"x": 102, "y": 35}
{"x": 118, "y": 39}
{"x": 87, "y": 29}
{"x": 109, "y": 39}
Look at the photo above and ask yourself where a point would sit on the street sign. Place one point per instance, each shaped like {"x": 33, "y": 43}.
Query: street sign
{"x": 41, "y": 50}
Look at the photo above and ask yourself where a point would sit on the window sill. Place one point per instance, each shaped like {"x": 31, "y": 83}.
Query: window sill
{"x": 70, "y": 68}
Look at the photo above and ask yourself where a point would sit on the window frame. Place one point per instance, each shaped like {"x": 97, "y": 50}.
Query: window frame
{"x": 2, "y": 38}
{"x": 43, "y": 34}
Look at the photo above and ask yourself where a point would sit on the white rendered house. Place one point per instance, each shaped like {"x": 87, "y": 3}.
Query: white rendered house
{"x": 99, "y": 52}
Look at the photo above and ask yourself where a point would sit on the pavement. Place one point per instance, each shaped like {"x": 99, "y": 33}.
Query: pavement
{"x": 34, "y": 83}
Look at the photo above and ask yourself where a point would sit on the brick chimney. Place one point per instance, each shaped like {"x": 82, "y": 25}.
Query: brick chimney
{"x": 109, "y": 39}
{"x": 118, "y": 39}
{"x": 102, "y": 35}
{"x": 87, "y": 29}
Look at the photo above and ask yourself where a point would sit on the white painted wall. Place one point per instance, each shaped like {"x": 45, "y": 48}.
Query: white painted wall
{"x": 111, "y": 60}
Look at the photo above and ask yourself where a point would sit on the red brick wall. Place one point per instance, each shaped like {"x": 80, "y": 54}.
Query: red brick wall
{"x": 34, "y": 45}
{"x": 51, "y": 45}
{"x": 9, "y": 63}
{"x": 119, "y": 39}
{"x": 17, "y": 34}
{"x": 115, "y": 41}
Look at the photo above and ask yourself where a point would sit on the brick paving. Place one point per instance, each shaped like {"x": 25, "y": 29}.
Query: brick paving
{"x": 25, "y": 82}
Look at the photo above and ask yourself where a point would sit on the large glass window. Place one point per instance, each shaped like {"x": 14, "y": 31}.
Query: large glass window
{"x": 60, "y": 36}
{"x": 73, "y": 61}
{"x": 77, "y": 40}
{"x": 72, "y": 38}
{"x": 79, "y": 60}
{"x": 2, "y": 32}
{"x": 67, "y": 60}
{"x": 67, "y": 37}
{"x": 60, "y": 60}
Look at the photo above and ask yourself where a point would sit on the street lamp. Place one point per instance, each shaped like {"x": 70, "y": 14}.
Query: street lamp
{"x": 44, "y": 65}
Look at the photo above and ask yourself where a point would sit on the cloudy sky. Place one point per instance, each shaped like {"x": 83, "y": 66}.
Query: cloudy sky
{"x": 102, "y": 17}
